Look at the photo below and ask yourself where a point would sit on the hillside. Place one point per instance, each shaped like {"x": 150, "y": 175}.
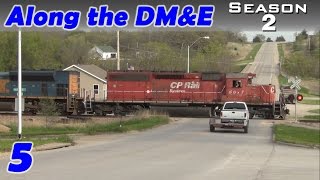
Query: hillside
{"x": 301, "y": 58}
{"x": 144, "y": 50}
{"x": 239, "y": 50}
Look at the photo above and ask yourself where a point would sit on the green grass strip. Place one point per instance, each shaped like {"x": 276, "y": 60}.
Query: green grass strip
{"x": 134, "y": 124}
{"x": 6, "y": 144}
{"x": 316, "y": 111}
{"x": 310, "y": 102}
{"x": 281, "y": 52}
{"x": 312, "y": 117}
{"x": 297, "y": 135}
{"x": 240, "y": 65}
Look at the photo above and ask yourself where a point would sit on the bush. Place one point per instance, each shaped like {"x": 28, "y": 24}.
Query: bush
{"x": 302, "y": 65}
{"x": 49, "y": 109}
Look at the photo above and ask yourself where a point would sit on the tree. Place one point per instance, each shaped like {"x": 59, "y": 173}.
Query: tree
{"x": 74, "y": 50}
{"x": 269, "y": 39}
{"x": 256, "y": 39}
{"x": 280, "y": 39}
{"x": 303, "y": 34}
{"x": 160, "y": 56}
{"x": 8, "y": 50}
{"x": 262, "y": 37}
{"x": 39, "y": 51}
{"x": 215, "y": 56}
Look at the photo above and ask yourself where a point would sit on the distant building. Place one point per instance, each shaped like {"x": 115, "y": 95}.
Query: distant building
{"x": 93, "y": 81}
{"x": 103, "y": 53}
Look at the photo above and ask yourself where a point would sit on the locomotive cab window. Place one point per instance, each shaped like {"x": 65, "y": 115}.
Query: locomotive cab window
{"x": 96, "y": 88}
{"x": 236, "y": 84}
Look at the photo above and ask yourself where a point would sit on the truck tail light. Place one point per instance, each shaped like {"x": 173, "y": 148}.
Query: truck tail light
{"x": 245, "y": 114}
{"x": 221, "y": 113}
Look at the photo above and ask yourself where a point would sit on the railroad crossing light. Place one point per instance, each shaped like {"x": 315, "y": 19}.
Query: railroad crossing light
{"x": 291, "y": 98}
{"x": 299, "y": 97}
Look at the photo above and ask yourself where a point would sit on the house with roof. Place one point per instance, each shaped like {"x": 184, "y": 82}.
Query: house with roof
{"x": 103, "y": 52}
{"x": 93, "y": 81}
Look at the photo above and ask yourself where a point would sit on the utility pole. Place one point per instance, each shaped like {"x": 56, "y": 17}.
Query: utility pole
{"x": 118, "y": 50}
{"x": 188, "y": 68}
{"x": 295, "y": 105}
{"x": 309, "y": 42}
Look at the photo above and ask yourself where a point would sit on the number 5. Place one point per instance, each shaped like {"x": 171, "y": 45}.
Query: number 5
{"x": 21, "y": 159}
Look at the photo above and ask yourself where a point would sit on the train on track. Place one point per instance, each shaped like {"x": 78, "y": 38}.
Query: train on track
{"x": 60, "y": 86}
{"x": 128, "y": 91}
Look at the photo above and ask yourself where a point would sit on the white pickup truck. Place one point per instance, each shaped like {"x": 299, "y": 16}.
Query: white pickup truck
{"x": 233, "y": 115}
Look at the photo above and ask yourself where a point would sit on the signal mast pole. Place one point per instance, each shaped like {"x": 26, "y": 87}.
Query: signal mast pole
{"x": 118, "y": 50}
{"x": 19, "y": 87}
{"x": 295, "y": 105}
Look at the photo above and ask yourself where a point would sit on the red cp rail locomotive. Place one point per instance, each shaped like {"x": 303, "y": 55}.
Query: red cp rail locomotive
{"x": 132, "y": 90}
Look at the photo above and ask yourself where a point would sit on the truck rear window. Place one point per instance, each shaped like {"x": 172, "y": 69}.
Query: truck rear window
{"x": 235, "y": 106}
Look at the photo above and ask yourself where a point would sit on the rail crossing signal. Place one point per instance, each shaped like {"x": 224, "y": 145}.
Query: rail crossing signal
{"x": 299, "y": 97}
{"x": 295, "y": 85}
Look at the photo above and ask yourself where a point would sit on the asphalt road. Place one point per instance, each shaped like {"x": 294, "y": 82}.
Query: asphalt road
{"x": 265, "y": 65}
{"x": 184, "y": 149}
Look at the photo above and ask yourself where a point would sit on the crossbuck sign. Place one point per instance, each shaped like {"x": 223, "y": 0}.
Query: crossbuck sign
{"x": 295, "y": 83}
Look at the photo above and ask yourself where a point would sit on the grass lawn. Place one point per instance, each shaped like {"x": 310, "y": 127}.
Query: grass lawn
{"x": 304, "y": 91}
{"x": 281, "y": 52}
{"x": 310, "y": 102}
{"x": 240, "y": 65}
{"x": 316, "y": 111}
{"x": 33, "y": 133}
{"x": 6, "y": 144}
{"x": 282, "y": 80}
{"x": 312, "y": 117}
{"x": 297, "y": 135}
{"x": 92, "y": 128}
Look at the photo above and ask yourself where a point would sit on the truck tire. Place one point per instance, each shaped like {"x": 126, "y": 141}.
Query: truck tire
{"x": 212, "y": 128}
{"x": 246, "y": 129}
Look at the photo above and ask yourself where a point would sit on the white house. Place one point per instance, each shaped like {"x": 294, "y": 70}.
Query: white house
{"x": 103, "y": 52}
{"x": 93, "y": 81}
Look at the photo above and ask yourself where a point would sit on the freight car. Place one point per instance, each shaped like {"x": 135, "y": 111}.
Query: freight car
{"x": 61, "y": 86}
{"x": 134, "y": 90}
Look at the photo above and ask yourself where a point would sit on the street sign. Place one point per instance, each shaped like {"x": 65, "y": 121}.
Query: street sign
{"x": 16, "y": 104}
{"x": 295, "y": 83}
{"x": 22, "y": 89}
